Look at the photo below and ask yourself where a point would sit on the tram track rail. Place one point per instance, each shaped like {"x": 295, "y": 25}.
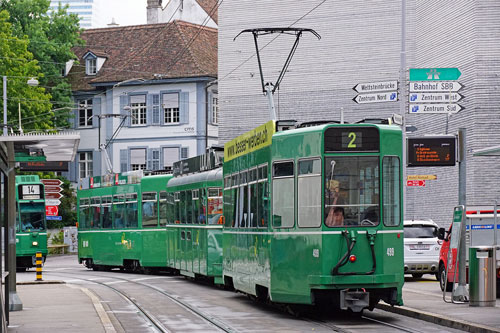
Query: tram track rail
{"x": 151, "y": 318}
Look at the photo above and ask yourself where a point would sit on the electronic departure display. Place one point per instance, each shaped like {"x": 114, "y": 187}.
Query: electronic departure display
{"x": 351, "y": 139}
{"x": 431, "y": 151}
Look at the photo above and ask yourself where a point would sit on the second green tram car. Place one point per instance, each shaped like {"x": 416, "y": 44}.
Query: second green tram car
{"x": 31, "y": 226}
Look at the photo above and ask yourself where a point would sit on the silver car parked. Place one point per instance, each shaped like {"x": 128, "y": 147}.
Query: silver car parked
{"x": 421, "y": 248}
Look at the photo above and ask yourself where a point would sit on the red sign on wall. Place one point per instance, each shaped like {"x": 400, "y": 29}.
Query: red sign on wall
{"x": 51, "y": 210}
{"x": 415, "y": 183}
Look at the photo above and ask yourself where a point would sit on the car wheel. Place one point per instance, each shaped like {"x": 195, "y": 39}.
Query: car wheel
{"x": 442, "y": 279}
{"x": 417, "y": 275}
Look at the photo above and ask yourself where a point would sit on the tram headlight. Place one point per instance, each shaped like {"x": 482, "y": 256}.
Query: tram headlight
{"x": 35, "y": 243}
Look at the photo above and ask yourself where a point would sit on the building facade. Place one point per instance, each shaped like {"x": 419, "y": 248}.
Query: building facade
{"x": 361, "y": 42}
{"x": 144, "y": 97}
{"x": 89, "y": 11}
{"x": 201, "y": 12}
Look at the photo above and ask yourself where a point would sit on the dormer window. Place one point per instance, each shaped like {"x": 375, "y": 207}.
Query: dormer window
{"x": 91, "y": 66}
{"x": 93, "y": 62}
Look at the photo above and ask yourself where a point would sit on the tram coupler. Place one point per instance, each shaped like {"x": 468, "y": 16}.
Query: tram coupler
{"x": 355, "y": 300}
{"x": 371, "y": 234}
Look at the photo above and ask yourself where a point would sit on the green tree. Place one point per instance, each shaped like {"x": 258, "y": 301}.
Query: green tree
{"x": 18, "y": 64}
{"x": 52, "y": 37}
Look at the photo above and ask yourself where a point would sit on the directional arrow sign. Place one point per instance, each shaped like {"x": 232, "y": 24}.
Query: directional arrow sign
{"x": 52, "y": 202}
{"x": 421, "y": 177}
{"x": 434, "y": 74}
{"x": 52, "y": 189}
{"x": 54, "y": 218}
{"x": 434, "y": 97}
{"x": 434, "y": 108}
{"x": 442, "y": 86}
{"x": 415, "y": 183}
{"x": 51, "y": 182}
{"x": 390, "y": 96}
{"x": 376, "y": 86}
{"x": 53, "y": 195}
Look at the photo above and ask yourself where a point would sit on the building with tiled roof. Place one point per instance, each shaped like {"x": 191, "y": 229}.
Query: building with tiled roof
{"x": 158, "y": 81}
{"x": 203, "y": 12}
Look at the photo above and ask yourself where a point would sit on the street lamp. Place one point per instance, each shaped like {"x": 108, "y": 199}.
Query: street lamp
{"x": 31, "y": 82}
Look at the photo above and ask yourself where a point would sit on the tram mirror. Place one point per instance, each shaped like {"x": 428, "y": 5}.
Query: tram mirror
{"x": 440, "y": 234}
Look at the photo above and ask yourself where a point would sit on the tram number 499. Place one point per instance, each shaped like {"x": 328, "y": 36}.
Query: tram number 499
{"x": 390, "y": 252}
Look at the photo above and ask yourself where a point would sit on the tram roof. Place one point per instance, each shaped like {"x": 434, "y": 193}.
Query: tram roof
{"x": 212, "y": 175}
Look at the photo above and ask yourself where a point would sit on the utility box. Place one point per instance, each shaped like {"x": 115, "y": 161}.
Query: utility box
{"x": 482, "y": 276}
{"x": 71, "y": 238}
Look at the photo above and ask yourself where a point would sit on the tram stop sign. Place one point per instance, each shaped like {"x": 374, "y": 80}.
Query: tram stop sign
{"x": 51, "y": 210}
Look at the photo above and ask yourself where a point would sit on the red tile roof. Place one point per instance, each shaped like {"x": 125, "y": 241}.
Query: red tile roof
{"x": 174, "y": 50}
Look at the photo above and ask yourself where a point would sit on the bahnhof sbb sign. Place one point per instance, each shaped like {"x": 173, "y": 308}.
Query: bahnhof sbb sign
{"x": 431, "y": 151}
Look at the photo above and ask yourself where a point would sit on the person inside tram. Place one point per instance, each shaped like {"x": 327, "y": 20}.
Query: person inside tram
{"x": 335, "y": 217}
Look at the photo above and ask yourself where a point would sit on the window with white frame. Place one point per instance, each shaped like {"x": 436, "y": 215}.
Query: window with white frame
{"x": 138, "y": 110}
{"x": 215, "y": 109}
{"x": 137, "y": 159}
{"x": 171, "y": 108}
{"x": 91, "y": 66}
{"x": 85, "y": 164}
{"x": 85, "y": 113}
{"x": 170, "y": 155}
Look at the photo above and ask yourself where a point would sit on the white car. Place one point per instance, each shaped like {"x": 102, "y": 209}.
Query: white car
{"x": 421, "y": 247}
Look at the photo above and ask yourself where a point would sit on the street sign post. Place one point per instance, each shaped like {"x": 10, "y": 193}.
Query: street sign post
{"x": 51, "y": 210}
{"x": 421, "y": 177}
{"x": 434, "y": 74}
{"x": 51, "y": 182}
{"x": 390, "y": 96}
{"x": 435, "y": 108}
{"x": 52, "y": 202}
{"x": 376, "y": 86}
{"x": 434, "y": 97}
{"x": 412, "y": 183}
{"x": 441, "y": 86}
{"x": 53, "y": 195}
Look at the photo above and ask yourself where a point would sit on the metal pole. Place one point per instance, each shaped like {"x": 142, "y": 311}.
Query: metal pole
{"x": 402, "y": 93}
{"x": 15, "y": 303}
{"x": 460, "y": 294}
{"x": 4, "y": 105}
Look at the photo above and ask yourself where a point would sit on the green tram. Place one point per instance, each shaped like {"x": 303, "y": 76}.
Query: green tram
{"x": 314, "y": 215}
{"x": 31, "y": 226}
{"x": 194, "y": 231}
{"x": 121, "y": 222}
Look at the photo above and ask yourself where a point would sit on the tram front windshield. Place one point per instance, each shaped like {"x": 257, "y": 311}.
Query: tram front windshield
{"x": 32, "y": 215}
{"x": 352, "y": 191}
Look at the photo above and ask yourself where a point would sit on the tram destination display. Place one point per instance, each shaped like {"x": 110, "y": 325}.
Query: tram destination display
{"x": 357, "y": 139}
{"x": 431, "y": 151}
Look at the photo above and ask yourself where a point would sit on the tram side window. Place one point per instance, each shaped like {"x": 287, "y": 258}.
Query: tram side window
{"x": 84, "y": 213}
{"x": 131, "y": 211}
{"x": 214, "y": 205}
{"x": 119, "y": 211}
{"x": 263, "y": 197}
{"x": 391, "y": 191}
{"x": 309, "y": 193}
{"x": 163, "y": 209}
{"x": 95, "y": 223}
{"x": 253, "y": 197}
{"x": 198, "y": 215}
{"x": 283, "y": 195}
{"x": 107, "y": 221}
{"x": 228, "y": 205}
{"x": 149, "y": 210}
{"x": 177, "y": 207}
{"x": 235, "y": 196}
{"x": 243, "y": 201}
{"x": 182, "y": 208}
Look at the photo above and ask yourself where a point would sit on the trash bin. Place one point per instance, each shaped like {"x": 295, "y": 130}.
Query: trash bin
{"x": 482, "y": 276}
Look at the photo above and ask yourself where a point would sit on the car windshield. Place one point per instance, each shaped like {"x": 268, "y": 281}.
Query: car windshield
{"x": 420, "y": 231}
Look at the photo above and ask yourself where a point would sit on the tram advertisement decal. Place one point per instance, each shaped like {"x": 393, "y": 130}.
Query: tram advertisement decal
{"x": 250, "y": 141}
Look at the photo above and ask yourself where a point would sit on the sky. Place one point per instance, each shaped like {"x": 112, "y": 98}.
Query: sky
{"x": 125, "y": 12}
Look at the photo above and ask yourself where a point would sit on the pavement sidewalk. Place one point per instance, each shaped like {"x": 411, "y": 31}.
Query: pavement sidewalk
{"x": 424, "y": 300}
{"x": 52, "y": 306}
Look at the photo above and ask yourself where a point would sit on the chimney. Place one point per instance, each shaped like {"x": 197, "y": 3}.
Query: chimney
{"x": 113, "y": 23}
{"x": 153, "y": 9}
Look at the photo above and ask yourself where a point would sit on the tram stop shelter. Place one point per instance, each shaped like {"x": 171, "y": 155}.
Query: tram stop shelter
{"x": 36, "y": 147}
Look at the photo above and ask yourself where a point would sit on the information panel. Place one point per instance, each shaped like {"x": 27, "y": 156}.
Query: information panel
{"x": 29, "y": 192}
{"x": 431, "y": 151}
{"x": 351, "y": 139}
